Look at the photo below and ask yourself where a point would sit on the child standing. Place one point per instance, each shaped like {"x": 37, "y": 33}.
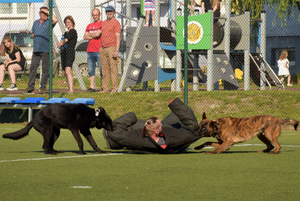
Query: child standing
{"x": 149, "y": 6}
{"x": 283, "y": 65}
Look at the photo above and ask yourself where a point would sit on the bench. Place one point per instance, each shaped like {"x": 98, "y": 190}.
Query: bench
{"x": 39, "y": 102}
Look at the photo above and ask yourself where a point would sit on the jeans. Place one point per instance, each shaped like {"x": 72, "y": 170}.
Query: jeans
{"x": 92, "y": 58}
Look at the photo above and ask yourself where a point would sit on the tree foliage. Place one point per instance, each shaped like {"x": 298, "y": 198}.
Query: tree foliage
{"x": 284, "y": 8}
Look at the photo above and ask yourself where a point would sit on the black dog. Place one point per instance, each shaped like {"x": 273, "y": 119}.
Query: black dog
{"x": 75, "y": 117}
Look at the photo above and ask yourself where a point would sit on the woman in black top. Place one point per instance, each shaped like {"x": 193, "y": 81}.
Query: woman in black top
{"x": 67, "y": 46}
{"x": 213, "y": 5}
{"x": 15, "y": 61}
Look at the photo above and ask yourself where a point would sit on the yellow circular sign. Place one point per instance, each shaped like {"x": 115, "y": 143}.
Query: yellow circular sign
{"x": 195, "y": 32}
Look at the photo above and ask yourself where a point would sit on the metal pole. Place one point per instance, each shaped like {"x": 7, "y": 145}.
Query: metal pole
{"x": 130, "y": 54}
{"x": 178, "y": 61}
{"x": 173, "y": 35}
{"x": 195, "y": 66}
{"x": 247, "y": 61}
{"x": 185, "y": 59}
{"x": 210, "y": 70}
{"x": 50, "y": 48}
{"x": 263, "y": 47}
{"x": 227, "y": 28}
{"x": 157, "y": 24}
{"x": 92, "y": 5}
{"x": 128, "y": 24}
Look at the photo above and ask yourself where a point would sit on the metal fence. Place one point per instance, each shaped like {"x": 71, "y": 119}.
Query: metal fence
{"x": 156, "y": 65}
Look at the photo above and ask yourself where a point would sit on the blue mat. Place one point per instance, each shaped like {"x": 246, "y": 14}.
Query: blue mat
{"x": 89, "y": 101}
{"x": 55, "y": 100}
{"x": 31, "y": 100}
{"x": 9, "y": 99}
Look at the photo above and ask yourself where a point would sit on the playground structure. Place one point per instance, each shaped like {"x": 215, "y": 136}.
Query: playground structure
{"x": 230, "y": 34}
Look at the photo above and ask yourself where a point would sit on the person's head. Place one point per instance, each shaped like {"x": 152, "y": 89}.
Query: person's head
{"x": 44, "y": 13}
{"x": 69, "y": 22}
{"x": 96, "y": 14}
{"x": 283, "y": 55}
{"x": 7, "y": 45}
{"x": 152, "y": 126}
{"x": 110, "y": 12}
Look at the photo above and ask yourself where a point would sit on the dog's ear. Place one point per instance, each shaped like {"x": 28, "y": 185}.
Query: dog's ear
{"x": 203, "y": 115}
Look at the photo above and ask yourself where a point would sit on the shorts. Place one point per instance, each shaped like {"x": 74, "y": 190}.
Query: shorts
{"x": 149, "y": 6}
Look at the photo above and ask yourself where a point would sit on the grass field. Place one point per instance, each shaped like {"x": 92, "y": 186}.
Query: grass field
{"x": 27, "y": 173}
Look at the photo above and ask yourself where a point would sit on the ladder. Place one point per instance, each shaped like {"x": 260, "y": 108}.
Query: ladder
{"x": 268, "y": 71}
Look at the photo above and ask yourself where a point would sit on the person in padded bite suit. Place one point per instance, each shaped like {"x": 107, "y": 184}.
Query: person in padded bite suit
{"x": 172, "y": 135}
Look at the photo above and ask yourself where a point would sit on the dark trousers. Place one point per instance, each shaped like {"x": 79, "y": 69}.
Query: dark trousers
{"x": 35, "y": 62}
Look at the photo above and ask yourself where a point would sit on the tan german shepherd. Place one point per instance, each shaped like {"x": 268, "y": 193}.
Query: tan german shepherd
{"x": 229, "y": 131}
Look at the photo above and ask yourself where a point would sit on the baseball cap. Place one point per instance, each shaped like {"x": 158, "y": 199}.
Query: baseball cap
{"x": 109, "y": 8}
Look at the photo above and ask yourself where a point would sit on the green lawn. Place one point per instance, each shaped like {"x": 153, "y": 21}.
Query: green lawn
{"x": 27, "y": 173}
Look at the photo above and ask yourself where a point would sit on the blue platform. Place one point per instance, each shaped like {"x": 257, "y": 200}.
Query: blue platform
{"x": 9, "y": 99}
{"x": 30, "y": 100}
{"x": 88, "y": 101}
{"x": 55, "y": 100}
{"x": 39, "y": 102}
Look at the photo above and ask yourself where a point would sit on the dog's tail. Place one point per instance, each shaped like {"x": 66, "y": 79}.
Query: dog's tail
{"x": 20, "y": 133}
{"x": 292, "y": 122}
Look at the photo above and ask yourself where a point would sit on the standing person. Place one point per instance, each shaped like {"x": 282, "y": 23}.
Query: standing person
{"x": 213, "y": 5}
{"x": 110, "y": 44}
{"x": 40, "y": 34}
{"x": 149, "y": 6}
{"x": 67, "y": 46}
{"x": 15, "y": 62}
{"x": 93, "y": 34}
{"x": 283, "y": 65}
{"x": 197, "y": 6}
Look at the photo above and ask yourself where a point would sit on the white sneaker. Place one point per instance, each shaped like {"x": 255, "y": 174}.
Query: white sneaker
{"x": 290, "y": 85}
{"x": 12, "y": 87}
{"x": 1, "y": 87}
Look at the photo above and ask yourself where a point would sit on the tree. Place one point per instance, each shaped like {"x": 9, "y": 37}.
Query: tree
{"x": 284, "y": 8}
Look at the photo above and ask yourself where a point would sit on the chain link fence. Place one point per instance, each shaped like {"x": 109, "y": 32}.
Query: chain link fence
{"x": 156, "y": 64}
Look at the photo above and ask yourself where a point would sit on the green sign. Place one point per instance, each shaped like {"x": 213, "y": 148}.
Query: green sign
{"x": 142, "y": 7}
{"x": 199, "y": 32}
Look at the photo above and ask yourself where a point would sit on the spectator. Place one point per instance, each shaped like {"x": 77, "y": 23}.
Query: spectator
{"x": 284, "y": 65}
{"x": 149, "y": 6}
{"x": 67, "y": 46}
{"x": 213, "y": 5}
{"x": 197, "y": 6}
{"x": 40, "y": 33}
{"x": 110, "y": 44}
{"x": 15, "y": 62}
{"x": 173, "y": 134}
{"x": 93, "y": 34}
